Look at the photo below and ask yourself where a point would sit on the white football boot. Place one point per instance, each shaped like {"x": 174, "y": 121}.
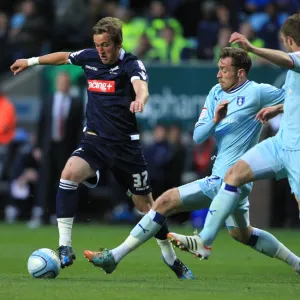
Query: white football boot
{"x": 192, "y": 244}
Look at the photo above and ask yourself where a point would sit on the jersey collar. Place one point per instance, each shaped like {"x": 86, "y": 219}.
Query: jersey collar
{"x": 122, "y": 54}
{"x": 239, "y": 87}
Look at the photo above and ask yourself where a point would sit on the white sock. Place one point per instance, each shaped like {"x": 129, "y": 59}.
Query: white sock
{"x": 167, "y": 251}
{"x": 284, "y": 254}
{"x": 65, "y": 231}
{"x": 119, "y": 252}
{"x": 126, "y": 247}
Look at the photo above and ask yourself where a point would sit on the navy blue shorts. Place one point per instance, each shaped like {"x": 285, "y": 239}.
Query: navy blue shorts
{"x": 125, "y": 160}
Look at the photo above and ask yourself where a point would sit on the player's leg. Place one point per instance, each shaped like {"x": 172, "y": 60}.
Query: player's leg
{"x": 184, "y": 198}
{"x": 239, "y": 228}
{"x": 91, "y": 155}
{"x": 260, "y": 162}
{"x": 75, "y": 171}
{"x": 291, "y": 161}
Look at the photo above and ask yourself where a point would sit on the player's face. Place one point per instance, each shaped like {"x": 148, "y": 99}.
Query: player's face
{"x": 108, "y": 51}
{"x": 227, "y": 74}
{"x": 285, "y": 42}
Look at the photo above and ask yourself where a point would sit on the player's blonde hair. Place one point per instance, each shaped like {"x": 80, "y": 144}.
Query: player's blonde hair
{"x": 291, "y": 28}
{"x": 112, "y": 26}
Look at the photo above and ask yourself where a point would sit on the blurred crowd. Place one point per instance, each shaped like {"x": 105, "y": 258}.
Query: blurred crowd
{"x": 167, "y": 31}
{"x": 31, "y": 162}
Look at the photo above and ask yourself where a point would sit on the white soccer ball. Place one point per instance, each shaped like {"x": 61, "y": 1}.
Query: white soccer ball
{"x": 43, "y": 263}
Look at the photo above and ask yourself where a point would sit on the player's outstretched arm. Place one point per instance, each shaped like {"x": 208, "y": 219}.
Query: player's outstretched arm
{"x": 277, "y": 57}
{"x": 267, "y": 113}
{"x": 141, "y": 96}
{"x": 57, "y": 58}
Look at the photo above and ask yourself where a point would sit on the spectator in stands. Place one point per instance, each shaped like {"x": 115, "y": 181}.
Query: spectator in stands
{"x": 188, "y": 13}
{"x": 28, "y": 31}
{"x": 23, "y": 182}
{"x": 5, "y": 60}
{"x": 59, "y": 131}
{"x": 174, "y": 170}
{"x": 145, "y": 50}
{"x": 269, "y": 32}
{"x": 214, "y": 18}
{"x": 7, "y": 132}
{"x": 253, "y": 6}
{"x": 71, "y": 16}
{"x": 288, "y": 6}
{"x": 223, "y": 41}
{"x": 170, "y": 47}
{"x": 158, "y": 156}
{"x": 158, "y": 20}
{"x": 132, "y": 28}
{"x": 247, "y": 30}
{"x": 7, "y": 120}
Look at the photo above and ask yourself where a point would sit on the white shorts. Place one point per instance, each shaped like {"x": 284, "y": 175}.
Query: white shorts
{"x": 199, "y": 194}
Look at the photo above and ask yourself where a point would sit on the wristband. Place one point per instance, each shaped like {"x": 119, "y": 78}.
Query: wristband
{"x": 32, "y": 61}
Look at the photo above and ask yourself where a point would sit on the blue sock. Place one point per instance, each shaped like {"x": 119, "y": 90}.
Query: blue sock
{"x": 162, "y": 233}
{"x": 220, "y": 209}
{"x": 66, "y": 199}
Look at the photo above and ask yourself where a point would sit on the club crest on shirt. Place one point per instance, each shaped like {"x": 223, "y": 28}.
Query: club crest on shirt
{"x": 240, "y": 100}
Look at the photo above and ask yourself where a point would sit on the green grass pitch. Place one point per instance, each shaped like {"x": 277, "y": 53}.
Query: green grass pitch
{"x": 232, "y": 272}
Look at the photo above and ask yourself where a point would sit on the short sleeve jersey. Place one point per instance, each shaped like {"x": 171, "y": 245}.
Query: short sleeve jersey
{"x": 110, "y": 92}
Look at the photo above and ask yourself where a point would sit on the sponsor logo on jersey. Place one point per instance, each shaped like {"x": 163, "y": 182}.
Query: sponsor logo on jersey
{"x": 240, "y": 100}
{"x": 113, "y": 70}
{"x": 104, "y": 86}
{"x": 91, "y": 68}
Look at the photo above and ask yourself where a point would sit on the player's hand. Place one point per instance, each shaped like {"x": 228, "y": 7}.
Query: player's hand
{"x": 19, "y": 65}
{"x": 237, "y": 38}
{"x": 136, "y": 106}
{"x": 267, "y": 113}
{"x": 221, "y": 111}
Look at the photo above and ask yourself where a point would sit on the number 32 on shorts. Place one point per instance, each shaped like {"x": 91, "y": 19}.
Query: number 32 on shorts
{"x": 140, "y": 179}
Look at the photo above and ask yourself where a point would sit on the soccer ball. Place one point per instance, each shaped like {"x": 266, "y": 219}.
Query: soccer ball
{"x": 43, "y": 263}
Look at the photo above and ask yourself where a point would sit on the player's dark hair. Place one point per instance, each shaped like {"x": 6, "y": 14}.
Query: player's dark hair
{"x": 291, "y": 28}
{"x": 112, "y": 26}
{"x": 240, "y": 58}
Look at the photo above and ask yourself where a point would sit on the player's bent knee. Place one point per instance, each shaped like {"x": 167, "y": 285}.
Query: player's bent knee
{"x": 143, "y": 203}
{"x": 77, "y": 170}
{"x": 239, "y": 174}
{"x": 241, "y": 235}
{"x": 168, "y": 202}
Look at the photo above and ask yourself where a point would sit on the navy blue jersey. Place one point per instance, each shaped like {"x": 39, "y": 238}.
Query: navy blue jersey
{"x": 110, "y": 93}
